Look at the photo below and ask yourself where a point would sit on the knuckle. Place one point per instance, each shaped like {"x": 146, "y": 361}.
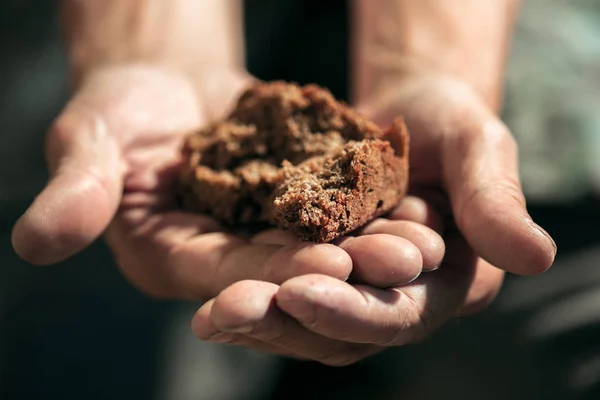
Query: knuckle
{"x": 511, "y": 187}
{"x": 65, "y": 127}
{"x": 502, "y": 188}
{"x": 491, "y": 133}
{"x": 77, "y": 120}
{"x": 497, "y": 133}
{"x": 60, "y": 132}
{"x": 505, "y": 185}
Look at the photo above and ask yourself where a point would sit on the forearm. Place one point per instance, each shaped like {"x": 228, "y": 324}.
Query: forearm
{"x": 465, "y": 38}
{"x": 187, "y": 34}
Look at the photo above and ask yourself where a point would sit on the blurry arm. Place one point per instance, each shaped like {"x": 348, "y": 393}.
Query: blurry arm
{"x": 186, "y": 34}
{"x": 465, "y": 38}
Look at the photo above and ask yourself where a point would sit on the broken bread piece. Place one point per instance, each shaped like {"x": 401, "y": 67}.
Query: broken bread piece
{"x": 296, "y": 158}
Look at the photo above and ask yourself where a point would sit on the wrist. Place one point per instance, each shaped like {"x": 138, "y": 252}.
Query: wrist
{"x": 216, "y": 87}
{"x": 183, "y": 35}
{"x": 393, "y": 72}
{"x": 466, "y": 41}
{"x": 81, "y": 70}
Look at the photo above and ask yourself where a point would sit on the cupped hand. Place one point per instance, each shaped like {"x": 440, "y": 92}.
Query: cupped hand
{"x": 113, "y": 155}
{"x": 464, "y": 173}
{"x": 320, "y": 318}
{"x": 464, "y": 162}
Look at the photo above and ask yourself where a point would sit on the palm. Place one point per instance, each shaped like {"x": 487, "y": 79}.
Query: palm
{"x": 331, "y": 310}
{"x": 162, "y": 250}
{"x": 114, "y": 155}
{"x": 463, "y": 164}
{"x": 141, "y": 116}
{"x": 153, "y": 110}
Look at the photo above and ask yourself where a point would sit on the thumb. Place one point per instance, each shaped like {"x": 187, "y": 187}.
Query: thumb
{"x": 480, "y": 167}
{"x": 82, "y": 195}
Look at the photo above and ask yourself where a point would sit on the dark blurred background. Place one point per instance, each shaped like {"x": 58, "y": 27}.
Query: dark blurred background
{"x": 79, "y": 331}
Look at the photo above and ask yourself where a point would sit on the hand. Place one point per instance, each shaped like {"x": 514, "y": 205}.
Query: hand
{"x": 113, "y": 156}
{"x": 464, "y": 164}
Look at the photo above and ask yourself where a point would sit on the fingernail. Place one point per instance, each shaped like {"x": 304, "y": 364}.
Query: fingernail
{"x": 304, "y": 313}
{"x": 541, "y": 231}
{"x": 221, "y": 337}
{"x": 434, "y": 268}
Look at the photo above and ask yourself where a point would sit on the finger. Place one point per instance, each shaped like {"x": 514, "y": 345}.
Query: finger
{"x": 359, "y": 313}
{"x": 484, "y": 289}
{"x": 481, "y": 172}
{"x": 82, "y": 195}
{"x": 383, "y": 260}
{"x": 189, "y": 256}
{"x": 477, "y": 159}
{"x": 415, "y": 209}
{"x": 223, "y": 88}
{"x": 430, "y": 244}
{"x": 204, "y": 329}
{"x": 250, "y": 343}
{"x": 144, "y": 243}
{"x": 384, "y": 317}
{"x": 247, "y": 309}
{"x": 275, "y": 236}
{"x": 225, "y": 259}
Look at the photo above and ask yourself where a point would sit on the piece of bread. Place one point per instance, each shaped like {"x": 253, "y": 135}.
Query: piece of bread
{"x": 296, "y": 158}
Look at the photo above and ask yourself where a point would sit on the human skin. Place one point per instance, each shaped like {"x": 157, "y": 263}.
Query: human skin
{"x": 146, "y": 72}
{"x": 439, "y": 64}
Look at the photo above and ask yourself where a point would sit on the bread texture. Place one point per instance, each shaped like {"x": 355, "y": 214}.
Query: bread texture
{"x": 293, "y": 157}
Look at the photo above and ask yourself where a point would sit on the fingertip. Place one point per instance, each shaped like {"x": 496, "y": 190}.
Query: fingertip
{"x": 511, "y": 242}
{"x": 83, "y": 195}
{"x": 57, "y": 226}
{"x": 303, "y": 296}
{"x": 481, "y": 174}
{"x": 302, "y": 259}
{"x": 428, "y": 241}
{"x": 542, "y": 254}
{"x": 383, "y": 260}
{"x": 26, "y": 243}
{"x": 331, "y": 260}
{"x": 201, "y": 325}
{"x": 242, "y": 304}
{"x": 548, "y": 248}
{"x": 432, "y": 250}
{"x": 290, "y": 289}
{"x": 36, "y": 242}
